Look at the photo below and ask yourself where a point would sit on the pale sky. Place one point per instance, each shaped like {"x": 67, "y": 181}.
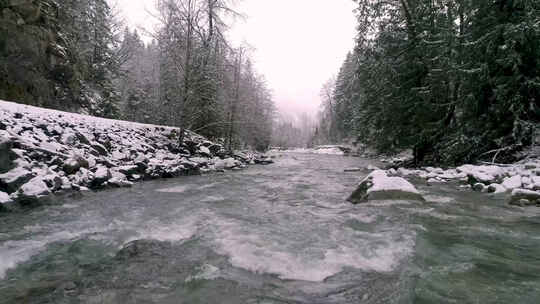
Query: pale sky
{"x": 298, "y": 44}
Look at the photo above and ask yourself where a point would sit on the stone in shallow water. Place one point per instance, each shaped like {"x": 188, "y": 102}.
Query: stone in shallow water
{"x": 33, "y": 191}
{"x": 523, "y": 197}
{"x": 4, "y": 198}
{"x": 496, "y": 188}
{"x": 478, "y": 187}
{"x": 379, "y": 186}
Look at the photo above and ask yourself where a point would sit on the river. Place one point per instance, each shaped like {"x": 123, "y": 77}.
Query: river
{"x": 271, "y": 234}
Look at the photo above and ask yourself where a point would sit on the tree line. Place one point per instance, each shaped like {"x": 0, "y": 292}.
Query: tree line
{"x": 454, "y": 80}
{"x": 75, "y": 55}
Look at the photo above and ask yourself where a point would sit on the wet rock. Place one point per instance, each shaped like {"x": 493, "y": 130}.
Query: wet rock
{"x": 227, "y": 163}
{"x": 118, "y": 179}
{"x": 521, "y": 203}
{"x": 129, "y": 169}
{"x": 263, "y": 160}
{"x": 101, "y": 176}
{"x": 33, "y": 191}
{"x": 522, "y": 194}
{"x": 73, "y": 164}
{"x": 496, "y": 188}
{"x": 4, "y": 198}
{"x": 478, "y": 187}
{"x": 141, "y": 248}
{"x": 379, "y": 186}
{"x": 13, "y": 179}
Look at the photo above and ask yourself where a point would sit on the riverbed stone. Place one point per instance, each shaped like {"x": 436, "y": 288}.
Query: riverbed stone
{"x": 119, "y": 179}
{"x": 129, "y": 169}
{"x": 101, "y": 176}
{"x": 5, "y": 198}
{"x": 379, "y": 186}
{"x": 496, "y": 188}
{"x": 32, "y": 191}
{"x": 524, "y": 194}
{"x": 478, "y": 187}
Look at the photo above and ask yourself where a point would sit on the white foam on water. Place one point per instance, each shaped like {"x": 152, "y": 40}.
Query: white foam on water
{"x": 294, "y": 259}
{"x": 211, "y": 185}
{"x": 15, "y": 252}
{"x": 175, "y": 189}
{"x": 181, "y": 230}
{"x": 438, "y": 199}
{"x": 206, "y": 272}
{"x": 70, "y": 206}
{"x": 212, "y": 198}
{"x": 362, "y": 217}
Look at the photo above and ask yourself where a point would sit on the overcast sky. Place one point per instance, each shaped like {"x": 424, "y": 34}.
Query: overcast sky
{"x": 299, "y": 44}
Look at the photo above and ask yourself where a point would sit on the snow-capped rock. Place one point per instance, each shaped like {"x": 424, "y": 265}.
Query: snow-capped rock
{"x": 72, "y": 151}
{"x": 496, "y": 188}
{"x": 119, "y": 180}
{"x": 204, "y": 151}
{"x": 32, "y": 191}
{"x": 513, "y": 182}
{"x": 15, "y": 178}
{"x": 101, "y": 176}
{"x": 525, "y": 197}
{"x": 4, "y": 198}
{"x": 379, "y": 186}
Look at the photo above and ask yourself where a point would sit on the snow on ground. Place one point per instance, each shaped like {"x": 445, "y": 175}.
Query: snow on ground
{"x": 329, "y": 149}
{"x": 44, "y": 151}
{"x": 522, "y": 176}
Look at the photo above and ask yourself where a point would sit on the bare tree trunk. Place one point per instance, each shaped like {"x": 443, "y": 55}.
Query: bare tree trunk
{"x": 238, "y": 71}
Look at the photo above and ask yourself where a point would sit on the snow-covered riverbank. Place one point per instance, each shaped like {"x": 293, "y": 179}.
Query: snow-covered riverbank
{"x": 45, "y": 151}
{"x": 520, "y": 180}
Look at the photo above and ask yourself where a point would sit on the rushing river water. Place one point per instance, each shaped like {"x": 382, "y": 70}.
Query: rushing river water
{"x": 274, "y": 234}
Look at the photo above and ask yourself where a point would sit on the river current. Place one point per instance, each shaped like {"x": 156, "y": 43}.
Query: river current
{"x": 271, "y": 234}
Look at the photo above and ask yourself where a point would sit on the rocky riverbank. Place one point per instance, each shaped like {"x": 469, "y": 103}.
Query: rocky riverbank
{"x": 521, "y": 181}
{"x": 46, "y": 151}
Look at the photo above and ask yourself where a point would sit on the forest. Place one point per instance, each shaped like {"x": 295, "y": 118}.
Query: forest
{"x": 76, "y": 55}
{"x": 455, "y": 80}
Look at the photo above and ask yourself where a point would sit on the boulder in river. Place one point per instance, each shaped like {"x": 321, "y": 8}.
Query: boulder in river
{"x": 101, "y": 176}
{"x": 33, "y": 191}
{"x": 524, "y": 197}
{"x": 379, "y": 186}
{"x": 4, "y": 198}
{"x": 118, "y": 179}
{"x": 496, "y": 188}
